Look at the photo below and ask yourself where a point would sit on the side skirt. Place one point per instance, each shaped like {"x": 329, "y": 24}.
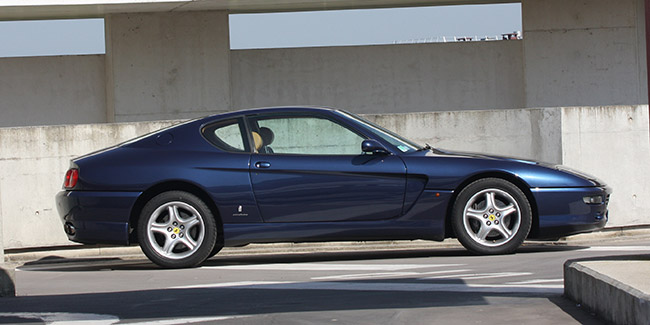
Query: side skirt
{"x": 242, "y": 234}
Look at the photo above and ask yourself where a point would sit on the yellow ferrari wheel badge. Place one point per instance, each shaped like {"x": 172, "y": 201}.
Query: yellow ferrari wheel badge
{"x": 176, "y": 230}
{"x": 492, "y": 217}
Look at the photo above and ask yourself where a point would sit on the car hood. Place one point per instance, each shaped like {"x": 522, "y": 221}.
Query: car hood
{"x": 445, "y": 152}
{"x": 562, "y": 168}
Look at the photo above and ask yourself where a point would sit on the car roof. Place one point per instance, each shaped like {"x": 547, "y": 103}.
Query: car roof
{"x": 275, "y": 109}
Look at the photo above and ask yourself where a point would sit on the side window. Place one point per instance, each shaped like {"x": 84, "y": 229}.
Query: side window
{"x": 226, "y": 135}
{"x": 305, "y": 135}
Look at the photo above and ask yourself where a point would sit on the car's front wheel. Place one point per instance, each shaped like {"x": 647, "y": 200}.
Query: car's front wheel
{"x": 491, "y": 216}
{"x": 176, "y": 229}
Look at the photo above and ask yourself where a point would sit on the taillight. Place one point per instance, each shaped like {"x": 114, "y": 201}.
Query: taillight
{"x": 71, "y": 178}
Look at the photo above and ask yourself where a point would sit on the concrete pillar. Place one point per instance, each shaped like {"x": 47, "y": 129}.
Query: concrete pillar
{"x": 167, "y": 65}
{"x": 582, "y": 53}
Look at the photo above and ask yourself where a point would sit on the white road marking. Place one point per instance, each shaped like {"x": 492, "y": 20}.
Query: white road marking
{"x": 66, "y": 318}
{"x": 188, "y": 320}
{"x": 384, "y": 275}
{"x": 384, "y": 286}
{"x": 364, "y": 276}
{"x": 537, "y": 281}
{"x": 328, "y": 267}
{"x": 616, "y": 248}
{"x": 231, "y": 284}
{"x": 102, "y": 319}
{"x": 475, "y": 276}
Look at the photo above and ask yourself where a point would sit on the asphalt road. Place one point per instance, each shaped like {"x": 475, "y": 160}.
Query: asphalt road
{"x": 432, "y": 286}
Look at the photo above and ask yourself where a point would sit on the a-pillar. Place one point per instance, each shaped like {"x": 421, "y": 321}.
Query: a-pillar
{"x": 167, "y": 65}
{"x": 581, "y": 53}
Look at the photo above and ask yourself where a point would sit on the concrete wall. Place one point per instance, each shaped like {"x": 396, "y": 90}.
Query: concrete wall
{"x": 609, "y": 142}
{"x": 584, "y": 53}
{"x": 383, "y": 78}
{"x": 33, "y": 162}
{"x": 167, "y": 65}
{"x": 529, "y": 133}
{"x": 52, "y": 90}
{"x": 178, "y": 65}
{"x": 612, "y": 143}
{"x": 184, "y": 74}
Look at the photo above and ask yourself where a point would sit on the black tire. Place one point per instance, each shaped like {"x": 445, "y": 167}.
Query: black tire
{"x": 217, "y": 248}
{"x": 176, "y": 229}
{"x": 491, "y": 216}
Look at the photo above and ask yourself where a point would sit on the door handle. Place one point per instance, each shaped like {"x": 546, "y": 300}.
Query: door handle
{"x": 262, "y": 164}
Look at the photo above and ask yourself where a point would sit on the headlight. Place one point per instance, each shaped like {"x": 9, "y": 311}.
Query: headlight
{"x": 596, "y": 199}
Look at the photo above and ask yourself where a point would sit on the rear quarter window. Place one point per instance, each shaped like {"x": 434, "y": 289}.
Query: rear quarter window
{"x": 226, "y": 135}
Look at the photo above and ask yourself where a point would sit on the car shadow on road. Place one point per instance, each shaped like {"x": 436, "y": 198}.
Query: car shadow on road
{"x": 53, "y": 263}
{"x": 369, "y": 255}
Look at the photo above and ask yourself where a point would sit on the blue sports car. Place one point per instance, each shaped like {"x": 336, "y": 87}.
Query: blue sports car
{"x": 312, "y": 174}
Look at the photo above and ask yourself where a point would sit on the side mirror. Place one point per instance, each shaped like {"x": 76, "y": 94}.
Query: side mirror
{"x": 373, "y": 146}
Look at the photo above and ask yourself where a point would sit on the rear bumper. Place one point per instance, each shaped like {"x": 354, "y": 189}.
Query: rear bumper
{"x": 96, "y": 217}
{"x": 563, "y": 212}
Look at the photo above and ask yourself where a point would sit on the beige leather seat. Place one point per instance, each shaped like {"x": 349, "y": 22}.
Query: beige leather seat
{"x": 258, "y": 141}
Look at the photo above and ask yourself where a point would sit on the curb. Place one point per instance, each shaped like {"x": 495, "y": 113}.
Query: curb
{"x": 60, "y": 254}
{"x": 608, "y": 297}
{"x": 7, "y": 280}
{"x": 77, "y": 252}
{"x": 614, "y": 234}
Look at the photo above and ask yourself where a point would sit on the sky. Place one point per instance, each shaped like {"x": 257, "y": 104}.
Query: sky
{"x": 298, "y": 29}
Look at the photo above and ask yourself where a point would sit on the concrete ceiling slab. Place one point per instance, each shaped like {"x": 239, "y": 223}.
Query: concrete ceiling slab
{"x": 60, "y": 9}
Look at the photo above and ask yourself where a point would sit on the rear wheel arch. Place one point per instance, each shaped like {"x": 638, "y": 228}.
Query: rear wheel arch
{"x": 449, "y": 232}
{"x": 151, "y": 192}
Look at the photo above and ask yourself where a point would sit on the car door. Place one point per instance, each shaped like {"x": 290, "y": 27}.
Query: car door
{"x": 225, "y": 173}
{"x": 311, "y": 169}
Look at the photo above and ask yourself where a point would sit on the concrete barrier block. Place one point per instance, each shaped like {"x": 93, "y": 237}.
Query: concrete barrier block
{"x": 609, "y": 298}
{"x": 7, "y": 280}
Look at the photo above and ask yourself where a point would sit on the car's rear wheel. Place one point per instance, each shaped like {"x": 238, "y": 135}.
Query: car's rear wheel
{"x": 217, "y": 248}
{"x": 491, "y": 216}
{"x": 177, "y": 229}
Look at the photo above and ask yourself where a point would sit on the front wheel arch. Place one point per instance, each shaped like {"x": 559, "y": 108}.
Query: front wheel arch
{"x": 151, "y": 192}
{"x": 534, "y": 230}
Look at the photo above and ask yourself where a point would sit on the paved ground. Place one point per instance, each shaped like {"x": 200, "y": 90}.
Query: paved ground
{"x": 420, "y": 286}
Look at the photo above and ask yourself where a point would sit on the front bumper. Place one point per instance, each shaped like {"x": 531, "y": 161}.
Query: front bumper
{"x": 96, "y": 217}
{"x": 563, "y": 212}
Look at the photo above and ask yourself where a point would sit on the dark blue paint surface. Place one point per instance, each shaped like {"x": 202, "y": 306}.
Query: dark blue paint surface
{"x": 286, "y": 198}
{"x": 299, "y": 188}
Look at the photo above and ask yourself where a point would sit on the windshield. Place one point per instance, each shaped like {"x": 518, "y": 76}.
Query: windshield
{"x": 400, "y": 143}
